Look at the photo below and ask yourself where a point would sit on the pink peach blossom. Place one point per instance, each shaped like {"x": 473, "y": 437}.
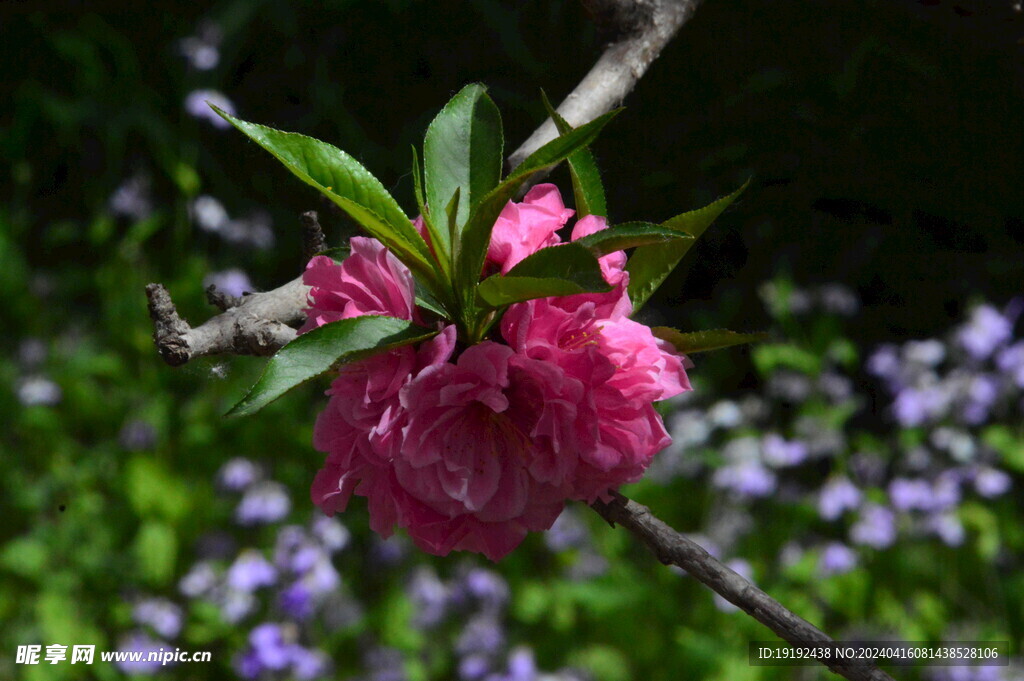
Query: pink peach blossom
{"x": 525, "y": 228}
{"x": 370, "y": 281}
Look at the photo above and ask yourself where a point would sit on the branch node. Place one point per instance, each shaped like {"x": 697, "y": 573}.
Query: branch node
{"x": 313, "y": 241}
{"x": 169, "y": 328}
{"x": 221, "y": 300}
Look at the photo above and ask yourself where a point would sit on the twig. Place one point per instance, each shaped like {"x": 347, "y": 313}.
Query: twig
{"x": 313, "y": 241}
{"x": 258, "y": 325}
{"x": 672, "y": 548}
{"x": 640, "y": 30}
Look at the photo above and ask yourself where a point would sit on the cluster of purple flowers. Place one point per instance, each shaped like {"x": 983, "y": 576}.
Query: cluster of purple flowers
{"x": 210, "y": 215}
{"x": 476, "y": 600}
{"x": 878, "y": 487}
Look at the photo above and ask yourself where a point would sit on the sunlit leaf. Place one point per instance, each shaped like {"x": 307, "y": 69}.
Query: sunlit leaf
{"x": 316, "y": 351}
{"x": 629, "y": 235}
{"x": 704, "y": 341}
{"x": 555, "y": 271}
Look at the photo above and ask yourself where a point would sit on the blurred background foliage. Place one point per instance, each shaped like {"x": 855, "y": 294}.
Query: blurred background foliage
{"x": 884, "y": 143}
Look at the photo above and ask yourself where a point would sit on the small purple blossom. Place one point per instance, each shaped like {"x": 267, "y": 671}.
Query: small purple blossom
{"x": 331, "y": 534}
{"x": 39, "y": 391}
{"x": 265, "y": 502}
{"x": 201, "y": 50}
{"x": 948, "y": 528}
{"x": 780, "y": 453}
{"x": 838, "y": 299}
{"x": 984, "y": 332}
{"x": 429, "y": 595}
{"x": 269, "y": 645}
{"x": 198, "y": 581}
{"x": 885, "y": 363}
{"x": 132, "y": 198}
{"x": 837, "y": 559}
{"x": 296, "y": 601}
{"x": 916, "y": 406}
{"x": 197, "y": 104}
{"x": 233, "y": 282}
{"x": 876, "y": 527}
{"x": 250, "y": 571}
{"x": 138, "y": 642}
{"x": 1011, "y": 363}
{"x": 907, "y": 494}
{"x": 991, "y": 482}
{"x": 160, "y": 614}
{"x": 481, "y": 635}
{"x": 486, "y": 588}
{"x": 237, "y": 474}
{"x": 568, "y": 532}
{"x": 746, "y": 479}
{"x": 474, "y": 667}
{"x": 838, "y": 496}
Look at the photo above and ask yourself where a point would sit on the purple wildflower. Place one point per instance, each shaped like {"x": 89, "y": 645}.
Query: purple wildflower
{"x": 837, "y": 559}
{"x": 876, "y": 527}
{"x": 265, "y": 502}
{"x": 233, "y": 282}
{"x": 991, "y": 482}
{"x": 837, "y": 496}
{"x": 237, "y": 474}
{"x": 250, "y": 571}
{"x": 196, "y": 105}
{"x": 779, "y": 452}
{"x": 984, "y": 332}
{"x": 160, "y": 614}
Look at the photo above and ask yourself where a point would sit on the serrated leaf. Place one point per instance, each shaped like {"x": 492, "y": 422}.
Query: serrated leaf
{"x": 586, "y": 179}
{"x": 463, "y": 151}
{"x": 440, "y": 246}
{"x": 629, "y": 235}
{"x": 560, "y": 270}
{"x": 316, "y": 351}
{"x": 476, "y": 237}
{"x": 704, "y": 341}
{"x": 650, "y": 265}
{"x": 348, "y": 184}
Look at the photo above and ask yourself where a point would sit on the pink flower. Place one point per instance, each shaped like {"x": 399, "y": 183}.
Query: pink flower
{"x": 475, "y": 453}
{"x": 627, "y": 369}
{"x": 489, "y": 446}
{"x": 525, "y": 228}
{"x": 370, "y": 281}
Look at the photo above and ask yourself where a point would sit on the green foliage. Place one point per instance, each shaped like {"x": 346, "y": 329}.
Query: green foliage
{"x": 650, "y": 265}
{"x": 554, "y": 271}
{"x": 462, "y": 150}
{"x": 703, "y": 341}
{"x": 348, "y": 184}
{"x": 324, "y": 347}
{"x": 586, "y": 178}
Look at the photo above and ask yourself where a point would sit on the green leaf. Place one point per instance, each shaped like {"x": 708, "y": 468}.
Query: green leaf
{"x": 316, "y": 351}
{"x": 476, "y": 237}
{"x": 337, "y": 254}
{"x": 427, "y": 301}
{"x": 650, "y": 265}
{"x": 463, "y": 151}
{"x": 629, "y": 235}
{"x": 156, "y": 548}
{"x": 703, "y": 341}
{"x": 348, "y": 184}
{"x": 440, "y": 245}
{"x": 586, "y": 179}
{"x": 554, "y": 271}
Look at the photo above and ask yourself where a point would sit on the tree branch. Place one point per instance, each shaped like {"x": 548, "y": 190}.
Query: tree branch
{"x": 257, "y": 325}
{"x": 673, "y": 548}
{"x": 640, "y": 30}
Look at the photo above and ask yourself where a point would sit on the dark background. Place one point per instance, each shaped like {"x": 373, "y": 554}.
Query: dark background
{"x": 883, "y": 138}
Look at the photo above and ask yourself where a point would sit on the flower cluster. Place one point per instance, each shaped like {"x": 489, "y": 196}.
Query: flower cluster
{"x": 936, "y": 449}
{"x": 470, "y": 448}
